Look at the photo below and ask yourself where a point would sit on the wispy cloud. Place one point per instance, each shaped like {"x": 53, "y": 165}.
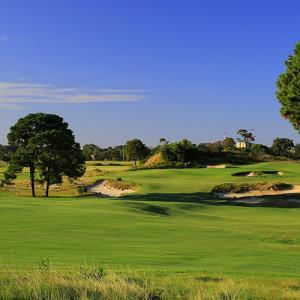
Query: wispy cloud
{"x": 15, "y": 94}
{"x": 5, "y": 38}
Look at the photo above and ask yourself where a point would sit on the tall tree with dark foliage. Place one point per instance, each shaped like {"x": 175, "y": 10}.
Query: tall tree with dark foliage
{"x": 45, "y": 145}
{"x": 288, "y": 89}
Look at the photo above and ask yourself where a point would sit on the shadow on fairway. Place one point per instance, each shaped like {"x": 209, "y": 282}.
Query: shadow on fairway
{"x": 282, "y": 201}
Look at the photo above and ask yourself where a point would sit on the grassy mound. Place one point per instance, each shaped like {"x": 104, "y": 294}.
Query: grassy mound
{"x": 248, "y": 187}
{"x": 154, "y": 160}
{"x": 120, "y": 185}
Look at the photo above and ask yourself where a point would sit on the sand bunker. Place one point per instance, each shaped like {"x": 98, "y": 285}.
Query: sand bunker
{"x": 218, "y": 166}
{"x": 103, "y": 188}
{"x": 257, "y": 193}
{"x": 156, "y": 159}
{"x": 257, "y": 173}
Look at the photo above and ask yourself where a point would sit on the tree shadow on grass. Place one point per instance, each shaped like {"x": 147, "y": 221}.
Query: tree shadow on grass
{"x": 202, "y": 198}
{"x": 151, "y": 208}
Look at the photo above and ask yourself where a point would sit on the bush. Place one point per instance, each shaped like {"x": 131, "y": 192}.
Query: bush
{"x": 82, "y": 189}
{"x": 121, "y": 185}
{"x": 247, "y": 187}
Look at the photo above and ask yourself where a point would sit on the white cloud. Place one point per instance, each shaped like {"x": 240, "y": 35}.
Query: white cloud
{"x": 12, "y": 94}
{"x": 4, "y": 38}
{"x": 10, "y": 38}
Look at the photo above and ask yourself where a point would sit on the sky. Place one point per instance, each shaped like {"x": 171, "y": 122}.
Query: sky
{"x": 122, "y": 69}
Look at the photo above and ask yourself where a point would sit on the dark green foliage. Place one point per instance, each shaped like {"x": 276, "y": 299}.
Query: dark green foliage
{"x": 82, "y": 189}
{"x": 283, "y": 147}
{"x": 5, "y": 152}
{"x": 260, "y": 149}
{"x": 212, "y": 148}
{"x": 94, "y": 152}
{"x": 46, "y": 145}
{"x": 288, "y": 89}
{"x": 90, "y": 151}
{"x": 135, "y": 150}
{"x": 297, "y": 151}
{"x": 229, "y": 144}
{"x": 183, "y": 152}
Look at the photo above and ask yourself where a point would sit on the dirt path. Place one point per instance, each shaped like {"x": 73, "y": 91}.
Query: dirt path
{"x": 103, "y": 188}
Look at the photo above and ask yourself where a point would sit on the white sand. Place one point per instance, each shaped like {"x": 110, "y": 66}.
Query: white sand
{"x": 294, "y": 190}
{"x": 217, "y": 167}
{"x": 104, "y": 189}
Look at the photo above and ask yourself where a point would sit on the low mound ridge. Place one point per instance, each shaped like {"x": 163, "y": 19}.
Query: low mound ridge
{"x": 154, "y": 160}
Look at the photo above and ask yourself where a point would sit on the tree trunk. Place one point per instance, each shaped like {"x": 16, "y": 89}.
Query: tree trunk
{"x": 47, "y": 183}
{"x": 47, "y": 187}
{"x": 32, "y": 169}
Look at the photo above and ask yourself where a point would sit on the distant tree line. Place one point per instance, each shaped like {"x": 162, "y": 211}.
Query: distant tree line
{"x": 182, "y": 152}
{"x": 94, "y": 152}
{"x": 134, "y": 150}
{"x": 186, "y": 153}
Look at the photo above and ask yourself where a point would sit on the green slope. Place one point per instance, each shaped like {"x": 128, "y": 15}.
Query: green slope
{"x": 173, "y": 224}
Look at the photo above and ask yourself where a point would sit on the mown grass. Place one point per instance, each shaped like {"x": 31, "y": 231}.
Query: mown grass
{"x": 172, "y": 231}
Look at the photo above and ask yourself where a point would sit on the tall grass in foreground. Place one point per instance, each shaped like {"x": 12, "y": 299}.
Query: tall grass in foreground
{"x": 95, "y": 283}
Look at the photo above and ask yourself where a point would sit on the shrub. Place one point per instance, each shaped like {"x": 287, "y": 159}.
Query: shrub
{"x": 247, "y": 187}
{"x": 82, "y": 189}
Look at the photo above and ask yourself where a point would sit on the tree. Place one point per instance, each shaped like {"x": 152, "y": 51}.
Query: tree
{"x": 135, "y": 150}
{"x": 90, "y": 151}
{"x": 229, "y": 144}
{"x": 163, "y": 141}
{"x": 6, "y": 152}
{"x": 215, "y": 147}
{"x": 283, "y": 147}
{"x": 260, "y": 149}
{"x": 182, "y": 152}
{"x": 47, "y": 146}
{"x": 288, "y": 89}
{"x": 297, "y": 151}
{"x": 246, "y": 136}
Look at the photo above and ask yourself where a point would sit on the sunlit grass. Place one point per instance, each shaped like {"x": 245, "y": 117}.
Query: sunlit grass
{"x": 172, "y": 239}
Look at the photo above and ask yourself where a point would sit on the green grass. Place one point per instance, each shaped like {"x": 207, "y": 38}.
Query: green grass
{"x": 172, "y": 226}
{"x": 94, "y": 283}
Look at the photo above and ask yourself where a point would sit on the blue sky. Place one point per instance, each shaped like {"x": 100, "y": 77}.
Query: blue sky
{"x": 116, "y": 70}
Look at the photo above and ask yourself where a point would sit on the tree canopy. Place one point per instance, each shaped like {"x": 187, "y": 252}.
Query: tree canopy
{"x": 45, "y": 145}
{"x": 283, "y": 147}
{"x": 229, "y": 144}
{"x": 288, "y": 89}
{"x": 136, "y": 150}
{"x": 246, "y": 136}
